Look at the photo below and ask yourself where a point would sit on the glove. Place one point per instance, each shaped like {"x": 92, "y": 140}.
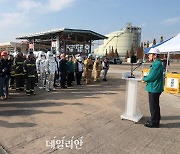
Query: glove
{"x": 4, "y": 70}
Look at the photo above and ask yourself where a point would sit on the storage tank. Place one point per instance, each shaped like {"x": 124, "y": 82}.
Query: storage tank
{"x": 121, "y": 41}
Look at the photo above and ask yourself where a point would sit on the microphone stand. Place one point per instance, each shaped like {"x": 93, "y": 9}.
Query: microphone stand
{"x": 132, "y": 70}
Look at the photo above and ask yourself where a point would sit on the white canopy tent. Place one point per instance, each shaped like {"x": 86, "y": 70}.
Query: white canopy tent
{"x": 169, "y": 46}
{"x": 172, "y": 45}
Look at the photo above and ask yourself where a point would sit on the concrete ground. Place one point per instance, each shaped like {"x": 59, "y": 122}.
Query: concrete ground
{"x": 91, "y": 112}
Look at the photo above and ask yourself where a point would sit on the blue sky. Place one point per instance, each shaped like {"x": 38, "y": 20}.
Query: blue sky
{"x": 21, "y": 17}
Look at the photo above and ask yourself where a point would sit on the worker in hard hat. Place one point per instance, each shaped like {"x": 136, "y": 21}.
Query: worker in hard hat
{"x": 105, "y": 67}
{"x": 154, "y": 87}
{"x": 88, "y": 65}
{"x": 97, "y": 67}
{"x": 4, "y": 75}
{"x": 78, "y": 69}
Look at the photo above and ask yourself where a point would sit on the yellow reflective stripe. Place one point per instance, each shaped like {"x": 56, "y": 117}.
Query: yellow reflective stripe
{"x": 30, "y": 64}
{"x": 19, "y": 74}
{"x": 31, "y": 76}
{"x": 19, "y": 62}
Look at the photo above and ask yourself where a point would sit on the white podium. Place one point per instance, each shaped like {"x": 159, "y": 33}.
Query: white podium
{"x": 131, "y": 98}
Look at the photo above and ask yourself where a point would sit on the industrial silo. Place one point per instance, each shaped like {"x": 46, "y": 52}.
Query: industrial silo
{"x": 121, "y": 40}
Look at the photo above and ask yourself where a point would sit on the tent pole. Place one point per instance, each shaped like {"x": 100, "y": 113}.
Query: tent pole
{"x": 167, "y": 63}
{"x": 143, "y": 63}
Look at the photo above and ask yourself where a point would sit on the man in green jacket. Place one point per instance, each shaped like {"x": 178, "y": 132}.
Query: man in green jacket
{"x": 154, "y": 87}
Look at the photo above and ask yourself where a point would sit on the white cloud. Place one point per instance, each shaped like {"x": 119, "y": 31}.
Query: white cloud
{"x": 8, "y": 20}
{"x": 171, "y": 21}
{"x": 28, "y": 4}
{"x": 57, "y": 5}
{"x": 44, "y": 8}
{"x": 25, "y": 12}
{"x": 11, "y": 23}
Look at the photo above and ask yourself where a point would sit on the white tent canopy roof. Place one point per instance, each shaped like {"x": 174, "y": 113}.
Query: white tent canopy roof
{"x": 173, "y": 45}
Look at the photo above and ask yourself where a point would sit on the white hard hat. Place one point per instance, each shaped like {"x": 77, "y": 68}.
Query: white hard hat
{"x": 79, "y": 58}
{"x": 154, "y": 50}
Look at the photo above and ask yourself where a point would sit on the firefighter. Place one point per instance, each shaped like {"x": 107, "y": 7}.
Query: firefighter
{"x": 40, "y": 66}
{"x": 30, "y": 73}
{"x": 97, "y": 69}
{"x": 19, "y": 72}
{"x": 88, "y": 64}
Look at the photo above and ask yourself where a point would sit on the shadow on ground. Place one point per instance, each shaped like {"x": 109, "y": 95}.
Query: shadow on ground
{"x": 77, "y": 92}
{"x": 163, "y": 123}
{"x": 15, "y": 125}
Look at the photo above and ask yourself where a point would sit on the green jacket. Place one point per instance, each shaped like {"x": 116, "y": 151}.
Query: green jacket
{"x": 155, "y": 81}
{"x": 70, "y": 65}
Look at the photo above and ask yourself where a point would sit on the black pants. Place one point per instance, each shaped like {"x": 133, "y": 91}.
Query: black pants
{"x": 12, "y": 79}
{"x": 63, "y": 79}
{"x": 30, "y": 84}
{"x": 154, "y": 107}
{"x": 70, "y": 78}
{"x": 56, "y": 77}
{"x": 19, "y": 82}
{"x": 78, "y": 77}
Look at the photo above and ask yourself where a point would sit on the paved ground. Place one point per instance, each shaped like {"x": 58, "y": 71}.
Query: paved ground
{"x": 88, "y": 111}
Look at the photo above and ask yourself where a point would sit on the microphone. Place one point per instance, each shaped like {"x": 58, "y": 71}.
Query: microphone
{"x": 132, "y": 70}
{"x": 142, "y": 62}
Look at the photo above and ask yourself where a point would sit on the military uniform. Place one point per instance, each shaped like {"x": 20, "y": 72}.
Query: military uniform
{"x": 88, "y": 64}
{"x": 30, "y": 74}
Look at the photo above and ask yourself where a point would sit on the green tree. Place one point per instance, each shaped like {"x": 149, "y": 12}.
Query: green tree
{"x": 116, "y": 55}
{"x": 106, "y": 54}
{"x": 131, "y": 51}
{"x": 147, "y": 44}
{"x": 140, "y": 52}
{"x": 161, "y": 39}
{"x": 127, "y": 55}
{"x": 111, "y": 53}
{"x": 154, "y": 42}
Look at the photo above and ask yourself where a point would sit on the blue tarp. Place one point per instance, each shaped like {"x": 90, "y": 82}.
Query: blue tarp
{"x": 146, "y": 50}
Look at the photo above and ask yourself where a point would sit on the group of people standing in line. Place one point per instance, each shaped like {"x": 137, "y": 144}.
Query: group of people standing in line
{"x": 46, "y": 70}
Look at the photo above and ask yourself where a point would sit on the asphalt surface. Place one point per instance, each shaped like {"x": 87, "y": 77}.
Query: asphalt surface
{"x": 92, "y": 112}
